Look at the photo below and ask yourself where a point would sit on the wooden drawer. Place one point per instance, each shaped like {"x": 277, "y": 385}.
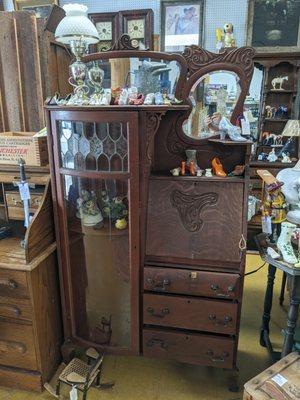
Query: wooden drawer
{"x": 15, "y": 204}
{"x": 190, "y": 348}
{"x": 190, "y": 313}
{"x": 13, "y": 284}
{"x": 17, "y": 346}
{"x": 191, "y": 282}
{"x": 18, "y": 309}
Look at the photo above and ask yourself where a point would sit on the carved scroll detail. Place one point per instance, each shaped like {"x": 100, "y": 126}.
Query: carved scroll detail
{"x": 125, "y": 43}
{"x": 197, "y": 58}
{"x": 152, "y": 124}
{"x": 190, "y": 207}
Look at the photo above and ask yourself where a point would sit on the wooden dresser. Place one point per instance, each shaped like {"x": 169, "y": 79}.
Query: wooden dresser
{"x": 30, "y": 325}
{"x": 170, "y": 283}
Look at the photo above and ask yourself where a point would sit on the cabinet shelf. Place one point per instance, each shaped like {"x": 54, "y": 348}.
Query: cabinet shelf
{"x": 287, "y": 91}
{"x": 231, "y": 142}
{"x": 106, "y": 230}
{"x": 189, "y": 178}
{"x": 276, "y": 119}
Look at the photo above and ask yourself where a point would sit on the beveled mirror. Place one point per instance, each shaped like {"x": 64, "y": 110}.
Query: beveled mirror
{"x": 216, "y": 92}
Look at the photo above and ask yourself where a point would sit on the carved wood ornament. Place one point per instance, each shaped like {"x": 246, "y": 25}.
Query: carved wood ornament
{"x": 190, "y": 207}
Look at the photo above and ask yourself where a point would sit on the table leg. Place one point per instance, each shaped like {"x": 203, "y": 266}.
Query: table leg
{"x": 267, "y": 306}
{"x": 290, "y": 328}
{"x": 282, "y": 290}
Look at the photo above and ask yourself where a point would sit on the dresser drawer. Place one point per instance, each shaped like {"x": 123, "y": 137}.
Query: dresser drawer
{"x": 18, "y": 309}
{"x": 13, "y": 284}
{"x": 17, "y": 346}
{"x": 191, "y": 282}
{"x": 190, "y": 313}
{"x": 190, "y": 348}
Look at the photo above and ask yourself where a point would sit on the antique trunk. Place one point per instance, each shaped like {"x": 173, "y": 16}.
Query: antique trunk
{"x": 280, "y": 382}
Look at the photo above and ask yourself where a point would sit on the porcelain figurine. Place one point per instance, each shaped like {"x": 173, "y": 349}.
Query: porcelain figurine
{"x": 272, "y": 156}
{"x": 121, "y": 223}
{"x": 278, "y": 82}
{"x": 175, "y": 171}
{"x": 88, "y": 210}
{"x": 229, "y": 40}
{"x": 285, "y": 158}
{"x": 208, "y": 172}
{"x": 199, "y": 172}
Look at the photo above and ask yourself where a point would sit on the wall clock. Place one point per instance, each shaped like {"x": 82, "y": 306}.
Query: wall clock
{"x": 107, "y": 25}
{"x": 138, "y": 24}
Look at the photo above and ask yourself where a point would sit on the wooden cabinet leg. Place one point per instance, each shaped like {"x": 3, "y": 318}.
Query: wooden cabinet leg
{"x": 267, "y": 305}
{"x": 233, "y": 380}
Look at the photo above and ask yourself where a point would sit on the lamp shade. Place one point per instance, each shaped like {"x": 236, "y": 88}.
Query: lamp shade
{"x": 76, "y": 25}
{"x": 292, "y": 128}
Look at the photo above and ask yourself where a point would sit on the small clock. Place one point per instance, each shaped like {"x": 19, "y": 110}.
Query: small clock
{"x": 136, "y": 28}
{"x": 104, "y": 29}
{"x": 107, "y": 25}
{"x": 138, "y": 24}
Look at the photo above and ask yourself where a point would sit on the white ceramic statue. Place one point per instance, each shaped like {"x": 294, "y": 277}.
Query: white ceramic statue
{"x": 278, "y": 82}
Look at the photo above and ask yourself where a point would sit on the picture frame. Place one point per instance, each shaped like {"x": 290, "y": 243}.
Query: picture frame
{"x": 273, "y": 26}
{"x": 42, "y": 8}
{"x": 181, "y": 23}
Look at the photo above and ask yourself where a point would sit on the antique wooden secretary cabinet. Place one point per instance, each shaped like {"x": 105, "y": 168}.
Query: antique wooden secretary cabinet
{"x": 169, "y": 284}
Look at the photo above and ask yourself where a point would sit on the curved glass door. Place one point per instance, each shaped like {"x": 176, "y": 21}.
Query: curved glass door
{"x": 97, "y": 172}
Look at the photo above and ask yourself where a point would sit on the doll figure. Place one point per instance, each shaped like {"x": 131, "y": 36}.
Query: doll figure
{"x": 229, "y": 40}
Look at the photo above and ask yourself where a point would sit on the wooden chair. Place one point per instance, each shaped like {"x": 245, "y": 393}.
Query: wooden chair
{"x": 80, "y": 374}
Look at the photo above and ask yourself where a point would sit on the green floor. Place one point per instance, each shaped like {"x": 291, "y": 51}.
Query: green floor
{"x": 139, "y": 378}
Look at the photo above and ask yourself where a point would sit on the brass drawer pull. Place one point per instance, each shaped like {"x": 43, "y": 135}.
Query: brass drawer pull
{"x": 163, "y": 313}
{"x": 213, "y": 317}
{"x": 9, "y": 346}
{"x": 159, "y": 285}
{"x": 11, "y": 284}
{"x": 153, "y": 342}
{"x": 217, "y": 358}
{"x": 7, "y": 308}
{"x": 230, "y": 289}
{"x": 17, "y": 202}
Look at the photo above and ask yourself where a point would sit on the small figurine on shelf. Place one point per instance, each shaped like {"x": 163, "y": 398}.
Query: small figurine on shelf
{"x": 175, "y": 171}
{"x": 278, "y": 82}
{"x": 272, "y": 156}
{"x": 88, "y": 210}
{"x": 286, "y": 158}
{"x": 281, "y": 112}
{"x": 208, "y": 172}
{"x": 229, "y": 40}
{"x": 219, "y": 37}
{"x": 115, "y": 209}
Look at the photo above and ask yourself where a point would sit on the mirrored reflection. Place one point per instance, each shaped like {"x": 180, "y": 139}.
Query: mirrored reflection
{"x": 98, "y": 226}
{"x": 213, "y": 96}
{"x": 147, "y": 75}
{"x": 252, "y": 102}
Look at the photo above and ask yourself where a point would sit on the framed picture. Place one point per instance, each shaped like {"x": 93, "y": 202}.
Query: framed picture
{"x": 42, "y": 8}
{"x": 274, "y": 25}
{"x": 181, "y": 24}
